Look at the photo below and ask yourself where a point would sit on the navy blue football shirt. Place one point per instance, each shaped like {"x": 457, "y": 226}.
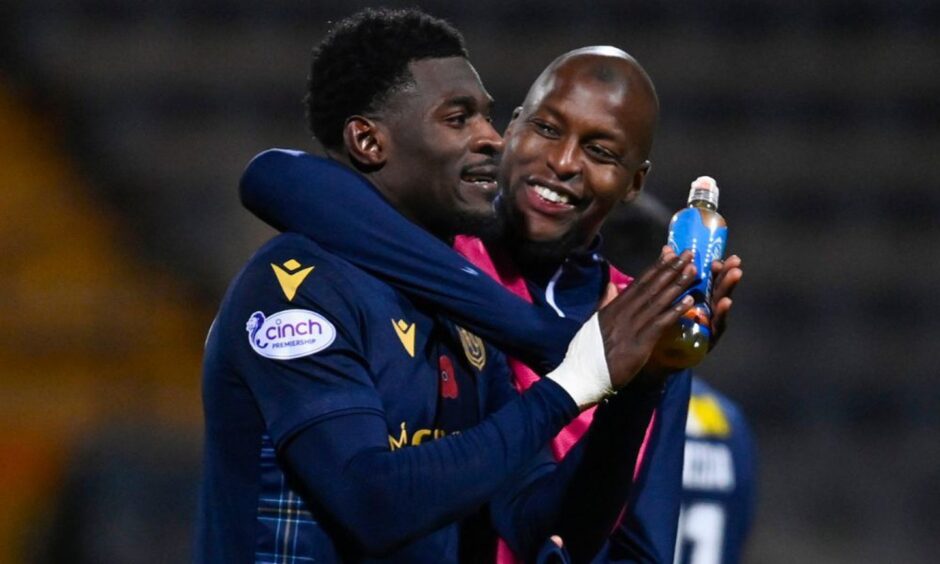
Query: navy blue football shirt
{"x": 304, "y": 339}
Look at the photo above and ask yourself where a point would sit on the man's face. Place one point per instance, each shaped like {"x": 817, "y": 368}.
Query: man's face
{"x": 443, "y": 149}
{"x": 575, "y": 149}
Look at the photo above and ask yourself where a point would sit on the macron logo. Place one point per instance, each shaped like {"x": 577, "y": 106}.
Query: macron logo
{"x": 290, "y": 278}
{"x": 406, "y": 334}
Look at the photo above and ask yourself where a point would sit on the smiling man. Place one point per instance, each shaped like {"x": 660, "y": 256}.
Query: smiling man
{"x": 346, "y": 421}
{"x": 416, "y": 173}
{"x": 577, "y": 147}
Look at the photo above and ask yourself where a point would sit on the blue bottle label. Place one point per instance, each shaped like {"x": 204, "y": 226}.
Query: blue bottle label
{"x": 688, "y": 231}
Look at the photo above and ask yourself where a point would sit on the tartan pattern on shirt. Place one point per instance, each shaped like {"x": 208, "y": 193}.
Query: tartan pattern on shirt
{"x": 287, "y": 531}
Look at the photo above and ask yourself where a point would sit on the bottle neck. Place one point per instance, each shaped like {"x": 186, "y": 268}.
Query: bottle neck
{"x": 705, "y": 204}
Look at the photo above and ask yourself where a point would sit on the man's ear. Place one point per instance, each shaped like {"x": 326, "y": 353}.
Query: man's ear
{"x": 636, "y": 184}
{"x": 515, "y": 114}
{"x": 365, "y": 142}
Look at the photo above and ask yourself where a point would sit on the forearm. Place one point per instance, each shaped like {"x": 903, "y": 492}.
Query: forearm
{"x": 647, "y": 532}
{"x": 605, "y": 478}
{"x": 384, "y": 498}
{"x": 342, "y": 212}
{"x": 582, "y": 498}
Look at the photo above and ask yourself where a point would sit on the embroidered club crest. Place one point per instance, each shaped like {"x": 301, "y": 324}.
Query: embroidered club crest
{"x": 473, "y": 348}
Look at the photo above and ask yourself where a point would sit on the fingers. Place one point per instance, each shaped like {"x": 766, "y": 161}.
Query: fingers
{"x": 666, "y": 269}
{"x": 721, "y": 308}
{"x": 665, "y": 258}
{"x": 654, "y": 329}
{"x": 669, "y": 280}
{"x": 727, "y": 274}
{"x": 719, "y": 321}
{"x": 657, "y": 288}
{"x": 665, "y": 290}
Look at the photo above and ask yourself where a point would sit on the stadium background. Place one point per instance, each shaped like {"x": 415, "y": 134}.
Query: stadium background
{"x": 124, "y": 127}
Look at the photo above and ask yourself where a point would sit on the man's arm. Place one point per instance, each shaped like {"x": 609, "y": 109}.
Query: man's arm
{"x": 341, "y": 211}
{"x": 327, "y": 418}
{"x": 647, "y": 532}
{"x": 582, "y": 497}
{"x": 383, "y": 499}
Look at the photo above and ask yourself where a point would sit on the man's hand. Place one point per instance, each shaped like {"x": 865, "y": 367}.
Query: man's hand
{"x": 726, "y": 275}
{"x": 632, "y": 323}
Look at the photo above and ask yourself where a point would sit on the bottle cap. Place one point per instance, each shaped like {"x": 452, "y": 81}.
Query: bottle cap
{"x": 704, "y": 188}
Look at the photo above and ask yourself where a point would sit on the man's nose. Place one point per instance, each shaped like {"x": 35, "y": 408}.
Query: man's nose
{"x": 562, "y": 158}
{"x": 487, "y": 140}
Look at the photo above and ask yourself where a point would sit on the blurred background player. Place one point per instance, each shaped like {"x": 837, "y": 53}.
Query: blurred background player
{"x": 718, "y": 480}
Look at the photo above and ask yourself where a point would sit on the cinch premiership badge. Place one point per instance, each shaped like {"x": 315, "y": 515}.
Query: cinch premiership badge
{"x": 291, "y": 333}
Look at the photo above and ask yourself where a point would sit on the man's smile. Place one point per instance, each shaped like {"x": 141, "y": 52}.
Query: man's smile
{"x": 481, "y": 177}
{"x": 549, "y": 197}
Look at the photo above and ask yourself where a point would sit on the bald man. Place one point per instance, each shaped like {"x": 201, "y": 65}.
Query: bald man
{"x": 577, "y": 147}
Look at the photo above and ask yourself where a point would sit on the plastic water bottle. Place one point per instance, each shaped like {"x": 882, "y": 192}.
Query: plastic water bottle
{"x": 701, "y": 229}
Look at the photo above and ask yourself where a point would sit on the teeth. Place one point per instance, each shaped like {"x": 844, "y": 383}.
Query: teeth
{"x": 478, "y": 179}
{"x": 551, "y": 195}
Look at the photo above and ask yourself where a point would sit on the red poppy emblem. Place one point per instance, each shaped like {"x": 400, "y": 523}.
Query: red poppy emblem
{"x": 448, "y": 378}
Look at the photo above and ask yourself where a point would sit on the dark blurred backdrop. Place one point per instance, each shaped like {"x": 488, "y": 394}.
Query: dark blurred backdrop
{"x": 124, "y": 126}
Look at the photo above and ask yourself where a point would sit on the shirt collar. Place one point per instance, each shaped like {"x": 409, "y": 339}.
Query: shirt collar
{"x": 590, "y": 254}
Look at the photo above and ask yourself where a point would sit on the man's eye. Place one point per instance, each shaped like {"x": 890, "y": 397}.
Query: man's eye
{"x": 458, "y": 120}
{"x": 545, "y": 129}
{"x": 601, "y": 153}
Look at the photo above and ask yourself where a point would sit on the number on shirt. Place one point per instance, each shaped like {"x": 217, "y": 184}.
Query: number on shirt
{"x": 701, "y": 532}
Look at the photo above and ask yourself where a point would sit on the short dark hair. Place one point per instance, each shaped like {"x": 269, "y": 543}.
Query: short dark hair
{"x": 364, "y": 58}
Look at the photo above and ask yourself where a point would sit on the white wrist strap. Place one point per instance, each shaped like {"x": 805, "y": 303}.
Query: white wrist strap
{"x": 583, "y": 373}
